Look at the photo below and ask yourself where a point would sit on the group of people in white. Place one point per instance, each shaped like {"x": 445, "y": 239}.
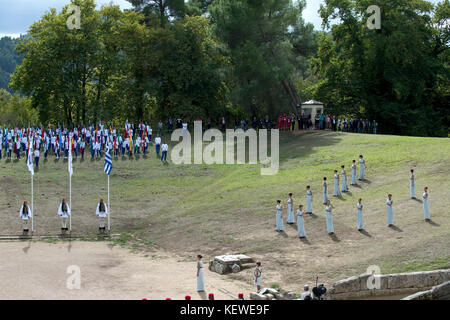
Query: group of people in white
{"x": 337, "y": 189}
{"x": 64, "y": 214}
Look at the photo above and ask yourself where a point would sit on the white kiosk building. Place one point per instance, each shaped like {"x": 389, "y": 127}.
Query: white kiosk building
{"x": 312, "y": 107}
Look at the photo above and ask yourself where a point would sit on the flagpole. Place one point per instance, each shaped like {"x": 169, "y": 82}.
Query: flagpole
{"x": 109, "y": 212}
{"x": 32, "y": 205}
{"x": 70, "y": 202}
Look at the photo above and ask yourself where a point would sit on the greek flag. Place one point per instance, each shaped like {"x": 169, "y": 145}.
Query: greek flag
{"x": 108, "y": 162}
{"x": 30, "y": 158}
{"x": 70, "y": 157}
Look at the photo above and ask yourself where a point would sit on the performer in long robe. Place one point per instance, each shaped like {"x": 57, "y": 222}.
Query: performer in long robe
{"x": 257, "y": 276}
{"x": 102, "y": 214}
{"x": 309, "y": 197}
{"x": 200, "y": 276}
{"x": 354, "y": 183}
{"x": 426, "y": 209}
{"x": 362, "y": 168}
{"x": 64, "y": 214}
{"x": 329, "y": 217}
{"x": 279, "y": 217}
{"x": 359, "y": 214}
{"x": 336, "y": 192}
{"x": 290, "y": 218}
{"x": 325, "y": 190}
{"x": 390, "y": 210}
{"x": 25, "y": 215}
{"x": 344, "y": 186}
{"x": 412, "y": 185}
{"x": 300, "y": 223}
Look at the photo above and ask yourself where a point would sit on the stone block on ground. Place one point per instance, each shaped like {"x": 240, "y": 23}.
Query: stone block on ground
{"x": 223, "y": 264}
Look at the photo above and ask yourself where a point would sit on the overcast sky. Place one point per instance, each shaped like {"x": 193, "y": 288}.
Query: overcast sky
{"x": 17, "y": 15}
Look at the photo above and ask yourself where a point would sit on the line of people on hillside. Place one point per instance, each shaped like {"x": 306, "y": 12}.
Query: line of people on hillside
{"x": 326, "y": 122}
{"x": 338, "y": 188}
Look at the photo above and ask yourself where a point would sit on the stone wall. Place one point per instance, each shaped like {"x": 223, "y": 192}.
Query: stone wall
{"x": 440, "y": 292}
{"x": 390, "y": 285}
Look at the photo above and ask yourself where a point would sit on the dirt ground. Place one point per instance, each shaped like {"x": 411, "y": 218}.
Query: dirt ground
{"x": 38, "y": 270}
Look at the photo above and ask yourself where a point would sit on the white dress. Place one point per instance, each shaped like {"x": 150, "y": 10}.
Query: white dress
{"x": 300, "y": 224}
{"x": 412, "y": 186}
{"x": 257, "y": 276}
{"x": 362, "y": 169}
{"x": 290, "y": 218}
{"x": 325, "y": 192}
{"x": 359, "y": 215}
{"x": 200, "y": 278}
{"x": 389, "y": 212}
{"x": 336, "y": 192}
{"x": 329, "y": 218}
{"x": 279, "y": 219}
{"x": 344, "y": 186}
{"x": 354, "y": 174}
{"x": 309, "y": 201}
{"x": 426, "y": 209}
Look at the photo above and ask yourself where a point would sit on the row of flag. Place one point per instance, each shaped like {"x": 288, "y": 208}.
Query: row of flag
{"x": 107, "y": 168}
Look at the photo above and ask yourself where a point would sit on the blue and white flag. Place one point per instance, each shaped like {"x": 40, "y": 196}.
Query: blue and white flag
{"x": 30, "y": 158}
{"x": 70, "y": 156}
{"x": 108, "y": 162}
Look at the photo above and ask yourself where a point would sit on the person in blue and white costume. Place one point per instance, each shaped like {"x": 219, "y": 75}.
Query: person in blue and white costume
{"x": 412, "y": 185}
{"x": 102, "y": 213}
{"x": 354, "y": 183}
{"x": 309, "y": 197}
{"x": 279, "y": 217}
{"x": 25, "y": 215}
{"x": 325, "y": 190}
{"x": 257, "y": 276}
{"x": 336, "y": 192}
{"x": 329, "y": 217}
{"x": 390, "y": 210}
{"x": 158, "y": 145}
{"x": 359, "y": 214}
{"x": 426, "y": 209}
{"x": 362, "y": 168}
{"x": 64, "y": 214}
{"x": 300, "y": 223}
{"x": 344, "y": 186}
{"x": 290, "y": 203}
{"x": 200, "y": 276}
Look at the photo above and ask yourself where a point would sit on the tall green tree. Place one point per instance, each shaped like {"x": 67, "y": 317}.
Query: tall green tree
{"x": 387, "y": 74}
{"x": 263, "y": 40}
{"x": 164, "y": 9}
{"x": 9, "y": 59}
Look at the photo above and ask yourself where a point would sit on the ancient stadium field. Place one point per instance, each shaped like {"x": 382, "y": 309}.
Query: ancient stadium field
{"x": 213, "y": 210}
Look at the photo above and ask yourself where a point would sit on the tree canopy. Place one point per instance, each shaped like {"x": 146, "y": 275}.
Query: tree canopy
{"x": 235, "y": 58}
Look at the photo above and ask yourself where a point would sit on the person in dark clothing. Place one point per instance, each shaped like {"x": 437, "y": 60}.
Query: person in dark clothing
{"x": 255, "y": 123}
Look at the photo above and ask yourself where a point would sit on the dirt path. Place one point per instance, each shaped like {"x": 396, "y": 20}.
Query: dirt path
{"x": 38, "y": 270}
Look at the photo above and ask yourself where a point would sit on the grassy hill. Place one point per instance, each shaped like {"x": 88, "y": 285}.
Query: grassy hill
{"x": 224, "y": 209}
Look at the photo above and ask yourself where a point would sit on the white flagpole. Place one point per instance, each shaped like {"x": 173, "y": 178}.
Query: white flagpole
{"x": 109, "y": 210}
{"x": 70, "y": 202}
{"x": 32, "y": 206}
